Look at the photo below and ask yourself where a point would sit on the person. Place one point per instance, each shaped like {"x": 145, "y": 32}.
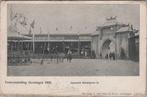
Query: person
{"x": 69, "y": 55}
{"x": 122, "y": 54}
{"x": 85, "y": 53}
{"x": 82, "y": 52}
{"x": 93, "y": 55}
{"x": 101, "y": 55}
{"x": 106, "y": 56}
{"x": 61, "y": 56}
{"x": 57, "y": 54}
{"x": 112, "y": 51}
{"x": 48, "y": 50}
{"x": 51, "y": 54}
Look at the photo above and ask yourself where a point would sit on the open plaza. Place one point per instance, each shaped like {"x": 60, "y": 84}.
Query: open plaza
{"x": 77, "y": 67}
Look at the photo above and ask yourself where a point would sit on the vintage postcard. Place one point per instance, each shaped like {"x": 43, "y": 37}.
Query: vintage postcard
{"x": 73, "y": 48}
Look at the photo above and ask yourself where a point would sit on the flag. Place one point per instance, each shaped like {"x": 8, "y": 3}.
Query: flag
{"x": 32, "y": 24}
{"x": 12, "y": 14}
{"x": 23, "y": 22}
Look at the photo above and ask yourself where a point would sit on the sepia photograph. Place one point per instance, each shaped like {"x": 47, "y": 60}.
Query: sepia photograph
{"x": 73, "y": 48}
{"x": 73, "y": 40}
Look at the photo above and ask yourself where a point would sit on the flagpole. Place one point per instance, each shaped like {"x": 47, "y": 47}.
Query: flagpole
{"x": 49, "y": 40}
{"x": 33, "y": 35}
{"x": 33, "y": 40}
{"x": 78, "y": 43}
{"x": 63, "y": 46}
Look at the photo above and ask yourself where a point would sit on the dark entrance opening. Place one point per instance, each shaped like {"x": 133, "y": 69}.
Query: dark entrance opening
{"x": 105, "y": 49}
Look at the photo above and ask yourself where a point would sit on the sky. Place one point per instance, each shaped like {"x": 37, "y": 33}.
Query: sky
{"x": 82, "y": 18}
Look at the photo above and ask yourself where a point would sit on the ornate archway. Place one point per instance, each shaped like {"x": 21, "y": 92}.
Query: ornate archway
{"x": 107, "y": 47}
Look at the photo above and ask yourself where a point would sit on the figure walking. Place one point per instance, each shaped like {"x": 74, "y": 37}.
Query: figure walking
{"x": 69, "y": 56}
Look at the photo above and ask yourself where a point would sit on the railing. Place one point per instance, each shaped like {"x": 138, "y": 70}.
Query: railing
{"x": 19, "y": 57}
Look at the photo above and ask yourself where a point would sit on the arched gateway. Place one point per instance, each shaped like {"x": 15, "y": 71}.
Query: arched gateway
{"x": 108, "y": 46}
{"x": 112, "y": 37}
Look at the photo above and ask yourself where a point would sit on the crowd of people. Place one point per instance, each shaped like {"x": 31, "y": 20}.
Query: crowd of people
{"x": 54, "y": 54}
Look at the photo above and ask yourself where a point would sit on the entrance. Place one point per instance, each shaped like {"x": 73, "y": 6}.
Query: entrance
{"x": 107, "y": 48}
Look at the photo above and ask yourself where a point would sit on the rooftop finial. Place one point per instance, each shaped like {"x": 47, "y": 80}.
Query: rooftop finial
{"x": 111, "y": 18}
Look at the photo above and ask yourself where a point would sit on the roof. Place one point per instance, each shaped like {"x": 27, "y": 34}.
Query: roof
{"x": 45, "y": 34}
{"x": 17, "y": 36}
{"x": 95, "y": 33}
{"x": 14, "y": 35}
{"x": 124, "y": 29}
{"x": 109, "y": 24}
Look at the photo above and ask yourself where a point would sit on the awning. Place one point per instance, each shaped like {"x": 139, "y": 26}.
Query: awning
{"x": 16, "y": 36}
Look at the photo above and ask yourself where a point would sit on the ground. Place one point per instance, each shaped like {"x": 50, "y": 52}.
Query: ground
{"x": 77, "y": 67}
